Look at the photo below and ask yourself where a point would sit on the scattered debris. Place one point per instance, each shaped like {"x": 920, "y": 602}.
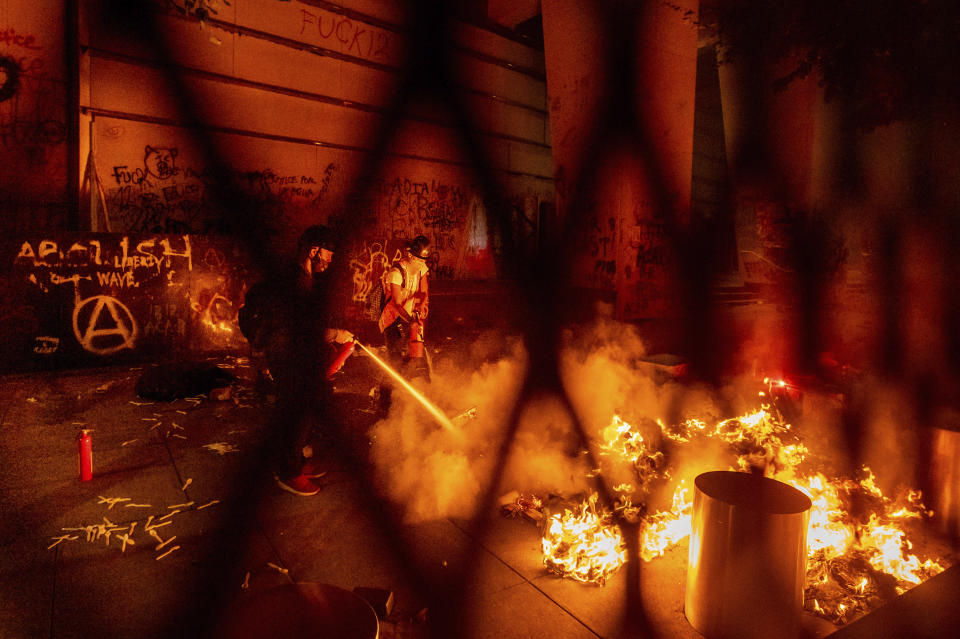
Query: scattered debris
{"x": 222, "y": 448}
{"x": 32, "y": 400}
{"x": 164, "y": 543}
{"x": 125, "y": 538}
{"x": 111, "y": 501}
{"x": 515, "y": 504}
{"x": 168, "y": 552}
{"x": 102, "y": 388}
{"x": 67, "y": 537}
{"x": 465, "y": 416}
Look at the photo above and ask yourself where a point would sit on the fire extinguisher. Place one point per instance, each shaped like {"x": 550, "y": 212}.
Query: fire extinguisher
{"x": 346, "y": 350}
{"x": 415, "y": 348}
{"x": 85, "y": 455}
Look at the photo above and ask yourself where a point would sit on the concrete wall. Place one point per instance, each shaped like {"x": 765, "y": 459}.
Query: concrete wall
{"x": 34, "y": 191}
{"x": 634, "y": 176}
{"x": 281, "y": 102}
{"x": 294, "y": 94}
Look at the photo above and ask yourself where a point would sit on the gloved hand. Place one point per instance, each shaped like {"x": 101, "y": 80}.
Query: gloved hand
{"x": 339, "y": 336}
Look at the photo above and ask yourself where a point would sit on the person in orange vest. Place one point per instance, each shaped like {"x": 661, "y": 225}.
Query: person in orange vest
{"x": 404, "y": 315}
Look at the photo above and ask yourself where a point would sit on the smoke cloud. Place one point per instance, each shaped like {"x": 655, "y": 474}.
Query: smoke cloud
{"x": 606, "y": 371}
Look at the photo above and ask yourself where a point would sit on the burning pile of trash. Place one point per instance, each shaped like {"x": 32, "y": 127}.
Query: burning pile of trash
{"x": 859, "y": 546}
{"x": 859, "y": 552}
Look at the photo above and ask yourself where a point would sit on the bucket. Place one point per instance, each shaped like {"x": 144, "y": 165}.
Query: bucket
{"x": 748, "y": 557}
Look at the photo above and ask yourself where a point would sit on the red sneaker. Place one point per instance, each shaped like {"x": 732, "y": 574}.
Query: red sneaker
{"x": 312, "y": 470}
{"x": 299, "y": 485}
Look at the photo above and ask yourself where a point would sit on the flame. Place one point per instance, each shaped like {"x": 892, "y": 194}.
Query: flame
{"x": 665, "y": 529}
{"x": 853, "y": 562}
{"x": 583, "y": 544}
{"x": 221, "y": 327}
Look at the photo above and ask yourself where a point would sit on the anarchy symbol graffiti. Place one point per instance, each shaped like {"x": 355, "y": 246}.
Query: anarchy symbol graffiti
{"x": 104, "y": 325}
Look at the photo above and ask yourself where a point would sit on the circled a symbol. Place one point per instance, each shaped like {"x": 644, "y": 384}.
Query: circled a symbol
{"x": 104, "y": 325}
{"x": 10, "y": 72}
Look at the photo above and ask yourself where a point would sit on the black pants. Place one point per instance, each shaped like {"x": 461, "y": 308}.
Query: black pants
{"x": 304, "y": 401}
{"x": 397, "y": 336}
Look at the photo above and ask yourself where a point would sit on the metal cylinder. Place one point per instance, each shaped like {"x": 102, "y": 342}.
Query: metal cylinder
{"x": 748, "y": 557}
{"x": 944, "y": 480}
{"x": 85, "y": 455}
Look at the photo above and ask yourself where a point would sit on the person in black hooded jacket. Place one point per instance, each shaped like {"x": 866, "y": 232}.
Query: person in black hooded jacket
{"x": 287, "y": 317}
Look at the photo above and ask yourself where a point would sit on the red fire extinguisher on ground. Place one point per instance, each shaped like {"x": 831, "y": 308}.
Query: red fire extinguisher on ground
{"x": 85, "y": 455}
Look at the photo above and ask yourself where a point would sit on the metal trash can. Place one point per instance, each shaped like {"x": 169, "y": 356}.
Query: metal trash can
{"x": 748, "y": 557}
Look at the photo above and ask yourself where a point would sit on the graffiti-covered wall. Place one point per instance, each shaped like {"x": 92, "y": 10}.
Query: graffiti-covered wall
{"x": 283, "y": 101}
{"x": 446, "y": 207}
{"x": 279, "y": 104}
{"x": 98, "y": 298}
{"x": 33, "y": 117}
{"x": 626, "y": 202}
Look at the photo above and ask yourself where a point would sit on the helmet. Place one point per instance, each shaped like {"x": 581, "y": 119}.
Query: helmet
{"x": 419, "y": 247}
{"x": 316, "y": 235}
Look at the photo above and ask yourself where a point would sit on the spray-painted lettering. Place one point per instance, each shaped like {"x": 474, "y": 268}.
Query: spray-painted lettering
{"x": 352, "y": 37}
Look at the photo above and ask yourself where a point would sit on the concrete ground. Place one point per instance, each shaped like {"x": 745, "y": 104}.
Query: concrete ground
{"x": 190, "y": 471}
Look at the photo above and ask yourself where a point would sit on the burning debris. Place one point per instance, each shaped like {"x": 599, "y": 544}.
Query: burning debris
{"x": 515, "y": 504}
{"x": 858, "y": 552}
{"x": 583, "y": 543}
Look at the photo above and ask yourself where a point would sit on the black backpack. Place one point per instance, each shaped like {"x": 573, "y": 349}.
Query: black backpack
{"x": 254, "y": 316}
{"x": 377, "y": 299}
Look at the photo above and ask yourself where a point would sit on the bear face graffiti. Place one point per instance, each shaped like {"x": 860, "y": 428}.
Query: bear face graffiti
{"x": 158, "y": 161}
